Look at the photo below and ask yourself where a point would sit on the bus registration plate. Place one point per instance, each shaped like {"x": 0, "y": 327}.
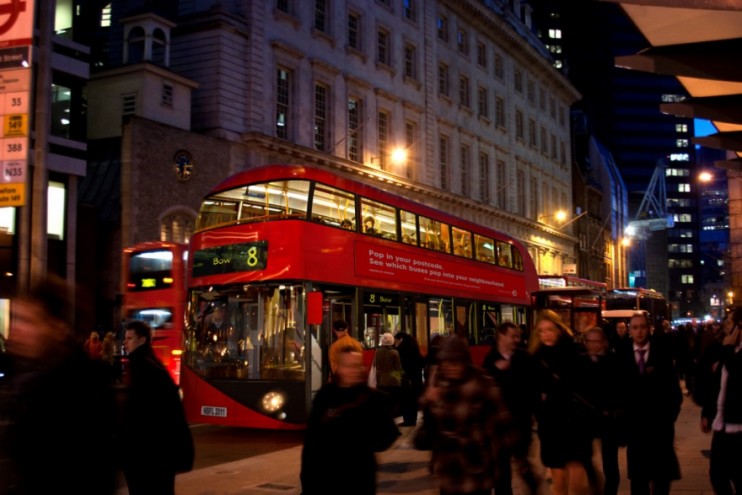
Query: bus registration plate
{"x": 220, "y": 412}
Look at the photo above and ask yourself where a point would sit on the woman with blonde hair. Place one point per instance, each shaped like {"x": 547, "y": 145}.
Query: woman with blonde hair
{"x": 566, "y": 443}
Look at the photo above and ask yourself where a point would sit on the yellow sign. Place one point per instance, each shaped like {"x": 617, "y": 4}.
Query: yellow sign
{"x": 15, "y": 125}
{"x": 12, "y": 195}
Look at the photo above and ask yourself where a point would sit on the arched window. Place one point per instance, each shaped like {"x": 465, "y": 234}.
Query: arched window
{"x": 177, "y": 225}
{"x": 135, "y": 45}
{"x": 159, "y": 48}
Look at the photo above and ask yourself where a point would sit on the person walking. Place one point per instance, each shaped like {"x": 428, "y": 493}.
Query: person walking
{"x": 412, "y": 379}
{"x": 513, "y": 371}
{"x": 155, "y": 439}
{"x": 348, "y": 423}
{"x": 343, "y": 339}
{"x": 471, "y": 422}
{"x": 389, "y": 371}
{"x": 721, "y": 413}
{"x": 600, "y": 386}
{"x": 564, "y": 436}
{"x": 59, "y": 438}
{"x": 652, "y": 403}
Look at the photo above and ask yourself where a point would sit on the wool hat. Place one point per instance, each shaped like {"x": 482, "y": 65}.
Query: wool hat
{"x": 387, "y": 339}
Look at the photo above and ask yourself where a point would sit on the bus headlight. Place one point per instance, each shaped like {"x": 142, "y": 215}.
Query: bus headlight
{"x": 273, "y": 401}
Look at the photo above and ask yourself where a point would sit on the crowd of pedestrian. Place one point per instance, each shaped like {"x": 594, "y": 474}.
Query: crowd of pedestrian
{"x": 71, "y": 426}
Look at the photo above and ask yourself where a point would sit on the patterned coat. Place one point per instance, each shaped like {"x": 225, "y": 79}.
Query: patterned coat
{"x": 470, "y": 424}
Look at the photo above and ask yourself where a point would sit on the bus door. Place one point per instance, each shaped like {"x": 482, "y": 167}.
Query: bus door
{"x": 337, "y": 305}
{"x": 381, "y": 314}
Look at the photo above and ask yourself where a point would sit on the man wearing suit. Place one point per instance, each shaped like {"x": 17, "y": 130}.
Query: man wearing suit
{"x": 652, "y": 404}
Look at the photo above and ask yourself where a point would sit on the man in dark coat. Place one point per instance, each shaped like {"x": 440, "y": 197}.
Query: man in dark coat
{"x": 513, "y": 371}
{"x": 348, "y": 423}
{"x": 155, "y": 439}
{"x": 653, "y": 400}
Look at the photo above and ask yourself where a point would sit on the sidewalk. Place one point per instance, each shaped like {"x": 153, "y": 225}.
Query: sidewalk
{"x": 404, "y": 470}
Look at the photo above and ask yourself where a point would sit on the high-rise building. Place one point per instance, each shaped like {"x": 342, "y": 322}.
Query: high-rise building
{"x": 623, "y": 113}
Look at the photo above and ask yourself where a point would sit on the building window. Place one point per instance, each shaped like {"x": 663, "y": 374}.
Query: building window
{"x": 442, "y": 27}
{"x": 482, "y": 55}
{"x": 519, "y": 131}
{"x": 502, "y": 193}
{"x": 167, "y": 95}
{"x": 681, "y": 128}
{"x": 383, "y": 48}
{"x": 443, "y": 161}
{"x": 462, "y": 42}
{"x": 499, "y": 66}
{"x": 283, "y": 93}
{"x": 686, "y": 279}
{"x": 542, "y": 99}
{"x": 443, "y": 85}
{"x": 321, "y": 112}
{"x": 128, "y": 104}
{"x": 552, "y": 108}
{"x": 464, "y": 98}
{"x": 532, "y": 133}
{"x": 534, "y": 198}
{"x": 410, "y": 61}
{"x": 409, "y": 9}
{"x": 465, "y": 167}
{"x": 283, "y": 6}
{"x": 684, "y": 188}
{"x": 483, "y": 103}
{"x": 484, "y": 177}
{"x": 544, "y": 141}
{"x": 499, "y": 112}
{"x": 520, "y": 185}
{"x": 518, "y": 80}
{"x": 681, "y": 143}
{"x": 382, "y": 128}
{"x": 176, "y": 227}
{"x": 105, "y": 16}
{"x": 321, "y": 21}
{"x": 531, "y": 92}
{"x": 355, "y": 138}
{"x": 562, "y": 153}
{"x": 410, "y": 130}
{"x": 553, "y": 147}
{"x": 354, "y": 31}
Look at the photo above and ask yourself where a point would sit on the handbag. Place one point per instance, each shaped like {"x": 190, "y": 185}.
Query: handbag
{"x": 372, "y": 374}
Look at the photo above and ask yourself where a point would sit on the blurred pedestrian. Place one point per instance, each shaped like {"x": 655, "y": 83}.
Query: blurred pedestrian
{"x": 389, "y": 371}
{"x": 108, "y": 348}
{"x": 600, "y": 386}
{"x": 412, "y": 379}
{"x": 59, "y": 430}
{"x": 470, "y": 419}
{"x": 564, "y": 436}
{"x": 722, "y": 413}
{"x": 653, "y": 400}
{"x": 93, "y": 346}
{"x": 620, "y": 337}
{"x": 513, "y": 371}
{"x": 343, "y": 339}
{"x": 155, "y": 439}
{"x": 348, "y": 423}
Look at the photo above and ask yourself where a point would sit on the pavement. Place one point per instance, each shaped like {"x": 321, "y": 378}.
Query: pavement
{"x": 404, "y": 470}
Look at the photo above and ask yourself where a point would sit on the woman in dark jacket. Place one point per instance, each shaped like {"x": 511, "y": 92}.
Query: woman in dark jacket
{"x": 564, "y": 436}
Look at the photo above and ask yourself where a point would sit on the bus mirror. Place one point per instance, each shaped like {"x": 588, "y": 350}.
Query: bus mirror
{"x": 314, "y": 308}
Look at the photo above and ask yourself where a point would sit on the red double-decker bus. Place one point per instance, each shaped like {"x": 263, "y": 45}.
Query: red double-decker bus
{"x": 280, "y": 252}
{"x": 154, "y": 290}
